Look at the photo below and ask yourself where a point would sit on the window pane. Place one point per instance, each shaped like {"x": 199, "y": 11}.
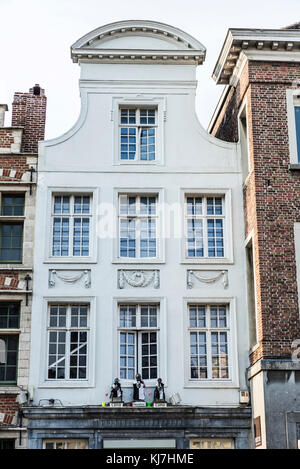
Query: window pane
{"x": 195, "y": 238}
{"x": 61, "y": 204}
{"x": 81, "y": 236}
{"x": 148, "y": 237}
{"x": 149, "y": 355}
{"x": 198, "y": 355}
{"x": 81, "y": 204}
{"x": 127, "y": 316}
{"x": 13, "y": 205}
{"x": 297, "y": 122}
{"x": 9, "y": 315}
{"x": 194, "y": 205}
{"x": 148, "y": 316}
{"x": 60, "y": 237}
{"x": 127, "y": 355}
{"x": 147, "y": 144}
{"x": 8, "y": 358}
{"x": 128, "y": 143}
{"x": 11, "y": 241}
{"x": 215, "y": 238}
{"x": 127, "y": 238}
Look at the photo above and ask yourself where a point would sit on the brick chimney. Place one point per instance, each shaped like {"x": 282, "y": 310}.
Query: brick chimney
{"x": 29, "y": 112}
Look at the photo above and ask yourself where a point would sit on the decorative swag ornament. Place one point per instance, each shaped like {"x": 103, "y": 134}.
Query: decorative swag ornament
{"x": 196, "y": 274}
{"x": 138, "y": 278}
{"x": 70, "y": 277}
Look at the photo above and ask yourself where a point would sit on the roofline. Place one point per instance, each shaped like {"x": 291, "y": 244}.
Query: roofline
{"x": 239, "y": 39}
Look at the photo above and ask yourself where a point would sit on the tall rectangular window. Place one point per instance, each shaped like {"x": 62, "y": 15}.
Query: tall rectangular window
{"x": 138, "y": 226}
{"x": 68, "y": 331}
{"x": 297, "y": 122}
{"x": 137, "y": 134}
{"x": 9, "y": 342}
{"x": 209, "y": 341}
{"x": 138, "y": 341}
{"x": 204, "y": 226}
{"x": 71, "y": 220}
{"x": 11, "y": 242}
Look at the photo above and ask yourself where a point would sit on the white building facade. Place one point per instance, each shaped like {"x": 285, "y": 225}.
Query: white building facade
{"x": 139, "y": 259}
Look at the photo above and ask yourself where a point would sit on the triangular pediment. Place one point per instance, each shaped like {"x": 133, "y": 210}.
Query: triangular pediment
{"x": 138, "y": 40}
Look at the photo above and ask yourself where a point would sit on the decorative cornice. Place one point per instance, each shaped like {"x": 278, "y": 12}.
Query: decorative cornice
{"x": 92, "y": 47}
{"x": 251, "y": 41}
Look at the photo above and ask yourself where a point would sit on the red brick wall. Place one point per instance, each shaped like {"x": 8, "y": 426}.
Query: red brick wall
{"x": 6, "y": 138}
{"x": 17, "y": 163}
{"x": 9, "y": 407}
{"x": 29, "y": 111}
{"x": 271, "y": 201}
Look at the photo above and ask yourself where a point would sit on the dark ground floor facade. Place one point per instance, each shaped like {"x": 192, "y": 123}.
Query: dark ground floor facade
{"x": 178, "y": 427}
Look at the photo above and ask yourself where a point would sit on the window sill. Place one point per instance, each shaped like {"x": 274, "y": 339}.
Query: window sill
{"x": 66, "y": 384}
{"x": 9, "y": 388}
{"x": 207, "y": 260}
{"x": 211, "y": 384}
{"x": 12, "y": 218}
{"x": 138, "y": 163}
{"x": 15, "y": 267}
{"x": 70, "y": 260}
{"x": 8, "y": 265}
{"x": 138, "y": 261}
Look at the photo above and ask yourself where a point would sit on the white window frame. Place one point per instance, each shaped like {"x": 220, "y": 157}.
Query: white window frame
{"x": 139, "y": 127}
{"x": 227, "y": 227}
{"x": 133, "y": 101}
{"x": 138, "y": 217}
{"x": 89, "y": 382}
{"x": 291, "y": 97}
{"x": 233, "y": 380}
{"x": 162, "y": 337}
{"x": 297, "y": 252}
{"x": 68, "y": 329}
{"x": 160, "y": 244}
{"x": 94, "y": 202}
{"x": 138, "y": 330}
{"x": 244, "y": 110}
{"x": 208, "y": 330}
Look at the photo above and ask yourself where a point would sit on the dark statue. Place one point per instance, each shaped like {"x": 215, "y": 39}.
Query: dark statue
{"x": 159, "y": 392}
{"x": 139, "y": 389}
{"x": 116, "y": 394}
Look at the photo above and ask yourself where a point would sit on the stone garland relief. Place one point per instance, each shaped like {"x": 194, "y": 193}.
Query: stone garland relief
{"x": 138, "y": 278}
{"x": 70, "y": 277}
{"x": 207, "y": 277}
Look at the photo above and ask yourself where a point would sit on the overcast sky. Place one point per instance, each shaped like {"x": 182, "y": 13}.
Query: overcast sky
{"x": 36, "y": 35}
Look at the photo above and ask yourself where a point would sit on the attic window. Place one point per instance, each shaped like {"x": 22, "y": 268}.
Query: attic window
{"x": 138, "y": 134}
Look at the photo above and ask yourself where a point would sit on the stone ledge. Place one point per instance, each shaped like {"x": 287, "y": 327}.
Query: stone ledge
{"x": 273, "y": 365}
{"x": 294, "y": 167}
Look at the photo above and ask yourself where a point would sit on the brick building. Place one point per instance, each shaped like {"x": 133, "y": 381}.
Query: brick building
{"x": 18, "y": 165}
{"x": 260, "y": 108}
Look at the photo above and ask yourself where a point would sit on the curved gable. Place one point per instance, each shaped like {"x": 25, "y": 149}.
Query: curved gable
{"x": 138, "y": 40}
